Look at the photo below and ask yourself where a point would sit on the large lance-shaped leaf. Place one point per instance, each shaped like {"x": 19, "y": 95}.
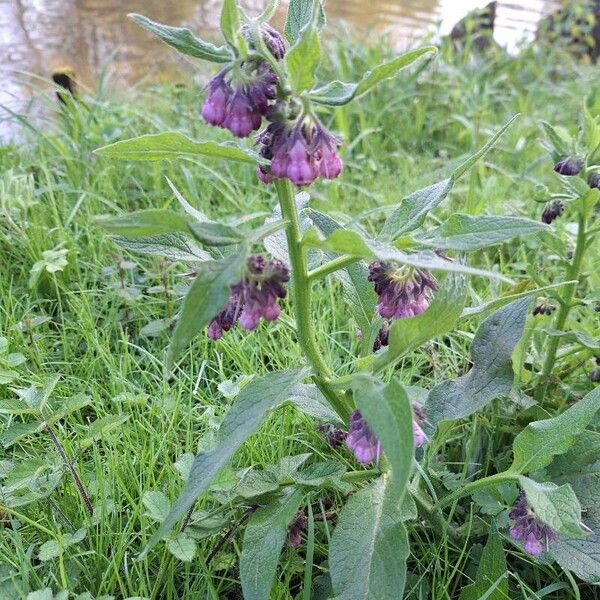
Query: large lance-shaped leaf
{"x": 302, "y": 59}
{"x": 230, "y": 22}
{"x": 299, "y": 15}
{"x": 465, "y": 233}
{"x": 159, "y": 146}
{"x": 369, "y": 547}
{"x": 338, "y": 93}
{"x": 491, "y": 375}
{"x": 353, "y": 243}
{"x": 413, "y": 209}
{"x": 143, "y": 223}
{"x": 389, "y": 415}
{"x": 184, "y": 41}
{"x": 554, "y": 505}
{"x": 406, "y": 335}
{"x": 540, "y": 441}
{"x": 205, "y": 299}
{"x": 263, "y": 540}
{"x": 173, "y": 246}
{"x": 254, "y": 402}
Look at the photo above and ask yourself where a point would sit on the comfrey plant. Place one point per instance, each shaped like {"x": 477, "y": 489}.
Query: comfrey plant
{"x": 403, "y": 287}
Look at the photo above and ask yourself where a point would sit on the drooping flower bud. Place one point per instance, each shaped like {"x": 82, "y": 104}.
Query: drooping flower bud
{"x": 383, "y": 337}
{"x": 332, "y": 434}
{"x": 594, "y": 180}
{"x": 595, "y": 374}
{"x": 569, "y": 166}
{"x": 214, "y": 109}
{"x": 253, "y": 298}
{"x": 295, "y": 530}
{"x": 361, "y": 440}
{"x": 418, "y": 420}
{"x": 528, "y": 529}
{"x": 271, "y": 37}
{"x": 543, "y": 309}
{"x": 552, "y": 211}
{"x": 403, "y": 291}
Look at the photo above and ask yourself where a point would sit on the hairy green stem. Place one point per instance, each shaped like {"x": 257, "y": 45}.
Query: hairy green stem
{"x": 468, "y": 488}
{"x": 331, "y": 266}
{"x": 301, "y": 296}
{"x": 566, "y": 301}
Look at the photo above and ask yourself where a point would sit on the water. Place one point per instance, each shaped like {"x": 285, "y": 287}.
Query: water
{"x": 40, "y": 36}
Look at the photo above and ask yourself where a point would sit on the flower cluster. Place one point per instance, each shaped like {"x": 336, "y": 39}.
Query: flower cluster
{"x": 295, "y": 530}
{"x": 527, "y": 529}
{"x": 252, "y": 298}
{"x": 552, "y": 211}
{"x": 543, "y": 309}
{"x": 299, "y": 150}
{"x": 333, "y": 435}
{"x": 240, "y": 95}
{"x": 403, "y": 292}
{"x": 569, "y": 166}
{"x": 366, "y": 447}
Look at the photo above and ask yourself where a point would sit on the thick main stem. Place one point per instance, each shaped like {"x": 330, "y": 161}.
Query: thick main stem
{"x": 567, "y": 296}
{"x": 301, "y": 296}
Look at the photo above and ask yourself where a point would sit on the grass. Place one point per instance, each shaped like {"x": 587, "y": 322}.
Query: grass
{"x": 407, "y": 134}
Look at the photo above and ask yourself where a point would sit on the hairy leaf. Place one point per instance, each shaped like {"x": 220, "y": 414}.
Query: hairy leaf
{"x": 491, "y": 375}
{"x": 263, "y": 540}
{"x": 173, "y": 246}
{"x": 144, "y": 223}
{"x": 299, "y": 15}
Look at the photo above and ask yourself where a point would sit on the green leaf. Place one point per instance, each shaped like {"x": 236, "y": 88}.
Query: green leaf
{"x": 307, "y": 398}
{"x": 491, "y": 375}
{"x": 264, "y": 537}
{"x": 338, "y": 93}
{"x": 184, "y": 41}
{"x": 18, "y": 431}
{"x": 465, "y": 233}
{"x": 353, "y": 243}
{"x": 326, "y": 475}
{"x": 15, "y": 406}
{"x": 144, "y": 223}
{"x": 299, "y": 15}
{"x": 173, "y": 246}
{"x": 406, "y": 335}
{"x": 540, "y": 441}
{"x": 582, "y": 556}
{"x": 7, "y": 375}
{"x": 49, "y": 550}
{"x": 172, "y": 144}
{"x": 182, "y": 547}
{"x": 216, "y": 234}
{"x": 157, "y": 505}
{"x": 491, "y": 581}
{"x": 302, "y": 59}
{"x": 68, "y": 406}
{"x": 230, "y": 22}
{"x": 389, "y": 414}
{"x": 575, "y": 337}
{"x": 207, "y": 296}
{"x": 591, "y": 131}
{"x": 554, "y": 505}
{"x": 413, "y": 209}
{"x": 559, "y": 143}
{"x": 260, "y": 396}
{"x": 369, "y": 547}
{"x": 100, "y": 428}
{"x": 37, "y": 398}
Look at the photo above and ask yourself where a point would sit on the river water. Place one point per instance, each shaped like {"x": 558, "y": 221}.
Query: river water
{"x": 40, "y": 36}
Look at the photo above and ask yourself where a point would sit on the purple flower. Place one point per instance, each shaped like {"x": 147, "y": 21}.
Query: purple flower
{"x": 383, "y": 337}
{"x": 594, "y": 180}
{"x": 214, "y": 110}
{"x": 569, "y": 166}
{"x": 403, "y": 291}
{"x": 253, "y": 298}
{"x": 332, "y": 434}
{"x": 366, "y": 447}
{"x": 552, "y": 211}
{"x": 299, "y": 150}
{"x": 295, "y": 530}
{"x": 543, "y": 309}
{"x": 362, "y": 441}
{"x": 271, "y": 37}
{"x": 527, "y": 529}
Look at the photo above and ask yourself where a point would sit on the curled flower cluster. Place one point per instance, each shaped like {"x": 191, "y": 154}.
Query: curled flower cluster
{"x": 295, "y": 530}
{"x": 543, "y": 309}
{"x": 403, "y": 292}
{"x": 569, "y": 166}
{"x": 333, "y": 435}
{"x": 527, "y": 529}
{"x": 366, "y": 447}
{"x": 552, "y": 211}
{"x": 299, "y": 151}
{"x": 253, "y": 298}
{"x": 240, "y": 96}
